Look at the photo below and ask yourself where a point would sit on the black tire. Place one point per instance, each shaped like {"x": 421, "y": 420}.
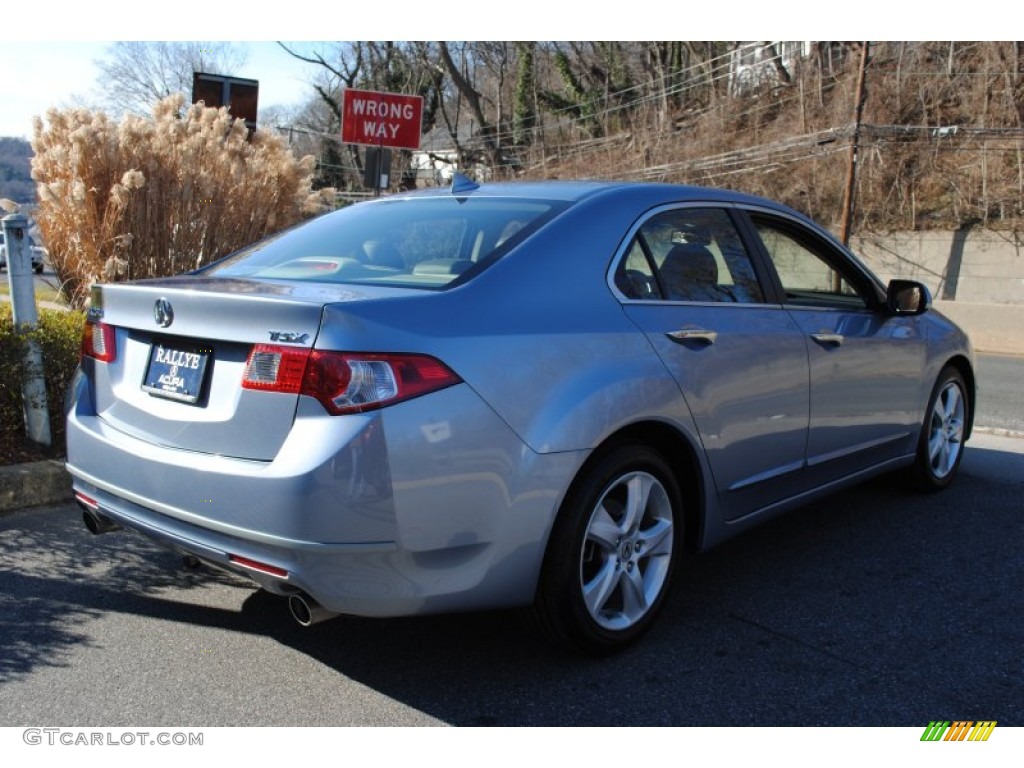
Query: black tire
{"x": 941, "y": 445}
{"x": 612, "y": 553}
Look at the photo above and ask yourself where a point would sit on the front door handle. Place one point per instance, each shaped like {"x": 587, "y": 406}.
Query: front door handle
{"x": 827, "y": 339}
{"x": 693, "y": 334}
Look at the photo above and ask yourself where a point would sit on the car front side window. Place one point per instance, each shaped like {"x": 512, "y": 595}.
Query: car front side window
{"x": 811, "y": 275}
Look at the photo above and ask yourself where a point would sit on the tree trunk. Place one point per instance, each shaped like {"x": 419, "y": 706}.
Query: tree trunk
{"x": 469, "y": 93}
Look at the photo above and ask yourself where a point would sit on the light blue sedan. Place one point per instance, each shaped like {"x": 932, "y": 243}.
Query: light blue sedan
{"x": 535, "y": 394}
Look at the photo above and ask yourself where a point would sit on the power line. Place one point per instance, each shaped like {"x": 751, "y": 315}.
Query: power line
{"x": 708, "y": 76}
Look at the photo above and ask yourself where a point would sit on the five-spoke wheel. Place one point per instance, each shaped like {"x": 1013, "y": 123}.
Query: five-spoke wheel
{"x": 627, "y": 550}
{"x": 942, "y": 434}
{"x": 612, "y": 552}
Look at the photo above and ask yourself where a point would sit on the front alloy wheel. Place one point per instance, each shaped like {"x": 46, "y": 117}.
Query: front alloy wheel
{"x": 942, "y": 436}
{"x": 612, "y": 552}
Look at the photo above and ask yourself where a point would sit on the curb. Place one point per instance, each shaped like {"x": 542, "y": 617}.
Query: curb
{"x": 999, "y": 432}
{"x": 34, "y": 484}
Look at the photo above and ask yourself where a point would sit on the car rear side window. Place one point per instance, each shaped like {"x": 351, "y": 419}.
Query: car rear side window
{"x": 688, "y": 254}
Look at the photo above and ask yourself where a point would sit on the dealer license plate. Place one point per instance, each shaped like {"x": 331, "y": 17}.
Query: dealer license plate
{"x": 176, "y": 372}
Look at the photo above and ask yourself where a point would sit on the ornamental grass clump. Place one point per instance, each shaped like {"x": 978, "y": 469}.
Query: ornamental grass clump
{"x": 156, "y": 197}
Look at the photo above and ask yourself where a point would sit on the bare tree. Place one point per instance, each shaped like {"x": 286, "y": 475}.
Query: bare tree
{"x": 463, "y": 83}
{"x": 136, "y": 75}
{"x": 373, "y": 65}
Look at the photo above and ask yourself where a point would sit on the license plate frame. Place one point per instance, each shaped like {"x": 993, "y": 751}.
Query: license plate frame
{"x": 176, "y": 371}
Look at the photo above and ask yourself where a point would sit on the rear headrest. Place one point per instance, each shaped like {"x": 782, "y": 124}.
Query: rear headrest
{"x": 691, "y": 234}
{"x": 692, "y": 264}
{"x": 383, "y": 254}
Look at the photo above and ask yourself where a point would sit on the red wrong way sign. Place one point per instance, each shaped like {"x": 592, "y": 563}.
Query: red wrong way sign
{"x": 381, "y": 119}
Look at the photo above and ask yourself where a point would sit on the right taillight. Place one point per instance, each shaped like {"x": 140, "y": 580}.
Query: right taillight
{"x": 275, "y": 369}
{"x": 98, "y": 341}
{"x": 346, "y": 382}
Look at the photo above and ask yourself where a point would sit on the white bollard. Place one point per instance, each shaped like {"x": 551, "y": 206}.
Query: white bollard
{"x": 23, "y": 304}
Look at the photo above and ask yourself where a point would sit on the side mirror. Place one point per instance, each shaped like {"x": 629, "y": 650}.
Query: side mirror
{"x": 907, "y": 297}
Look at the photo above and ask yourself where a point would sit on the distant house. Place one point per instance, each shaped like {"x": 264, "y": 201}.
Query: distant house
{"x": 434, "y": 167}
{"x": 761, "y": 64}
{"x": 437, "y": 160}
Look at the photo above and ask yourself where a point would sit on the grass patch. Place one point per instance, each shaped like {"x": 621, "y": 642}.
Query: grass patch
{"x": 43, "y": 293}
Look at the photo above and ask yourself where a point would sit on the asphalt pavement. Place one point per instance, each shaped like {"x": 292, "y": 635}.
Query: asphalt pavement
{"x": 1001, "y": 394}
{"x": 876, "y": 607}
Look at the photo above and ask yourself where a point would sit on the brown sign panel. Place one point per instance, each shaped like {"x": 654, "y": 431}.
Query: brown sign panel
{"x": 239, "y": 94}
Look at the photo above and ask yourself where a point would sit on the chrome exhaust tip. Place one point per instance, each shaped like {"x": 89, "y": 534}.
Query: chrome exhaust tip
{"x": 94, "y": 521}
{"x": 307, "y": 611}
{"x": 97, "y": 523}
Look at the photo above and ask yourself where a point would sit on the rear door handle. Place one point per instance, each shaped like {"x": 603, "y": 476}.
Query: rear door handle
{"x": 693, "y": 334}
{"x": 828, "y": 339}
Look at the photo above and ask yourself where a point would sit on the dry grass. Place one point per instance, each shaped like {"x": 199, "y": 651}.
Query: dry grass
{"x": 154, "y": 197}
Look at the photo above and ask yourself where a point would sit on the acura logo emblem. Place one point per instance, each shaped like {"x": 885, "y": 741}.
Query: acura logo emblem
{"x": 163, "y": 313}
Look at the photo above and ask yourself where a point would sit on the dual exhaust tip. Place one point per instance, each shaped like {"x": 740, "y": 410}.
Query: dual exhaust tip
{"x": 307, "y": 611}
{"x": 303, "y": 608}
{"x": 96, "y": 523}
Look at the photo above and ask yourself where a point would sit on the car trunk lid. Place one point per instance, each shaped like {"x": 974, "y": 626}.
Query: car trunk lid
{"x": 181, "y": 348}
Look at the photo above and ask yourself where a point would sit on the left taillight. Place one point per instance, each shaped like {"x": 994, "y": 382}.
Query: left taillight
{"x": 346, "y": 382}
{"x": 98, "y": 341}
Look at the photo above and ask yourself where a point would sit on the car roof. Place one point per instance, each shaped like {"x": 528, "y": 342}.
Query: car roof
{"x": 574, "y": 191}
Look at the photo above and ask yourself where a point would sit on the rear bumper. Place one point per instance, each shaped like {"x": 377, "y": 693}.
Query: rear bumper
{"x": 316, "y": 568}
{"x": 394, "y": 513}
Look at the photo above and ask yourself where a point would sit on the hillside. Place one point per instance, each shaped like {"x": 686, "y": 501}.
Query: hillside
{"x": 941, "y": 143}
{"x": 941, "y": 131}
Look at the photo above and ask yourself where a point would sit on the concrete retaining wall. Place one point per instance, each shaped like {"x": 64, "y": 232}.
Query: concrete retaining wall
{"x": 974, "y": 265}
{"x": 976, "y": 277}
{"x": 993, "y": 328}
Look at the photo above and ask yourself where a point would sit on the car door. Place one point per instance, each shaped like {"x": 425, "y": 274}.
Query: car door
{"x": 687, "y": 280}
{"x": 865, "y": 365}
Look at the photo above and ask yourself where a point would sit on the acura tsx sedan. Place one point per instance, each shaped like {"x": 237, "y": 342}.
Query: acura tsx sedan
{"x": 532, "y": 394}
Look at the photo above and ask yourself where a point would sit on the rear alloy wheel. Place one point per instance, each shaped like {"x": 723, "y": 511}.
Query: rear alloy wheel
{"x": 942, "y": 435}
{"x": 612, "y": 553}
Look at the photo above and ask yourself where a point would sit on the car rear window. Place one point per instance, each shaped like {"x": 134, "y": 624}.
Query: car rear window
{"x": 426, "y": 242}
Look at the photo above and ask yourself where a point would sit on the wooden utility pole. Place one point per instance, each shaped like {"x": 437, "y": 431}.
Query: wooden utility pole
{"x": 851, "y": 168}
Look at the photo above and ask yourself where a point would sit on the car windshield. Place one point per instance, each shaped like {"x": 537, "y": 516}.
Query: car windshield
{"x": 424, "y": 243}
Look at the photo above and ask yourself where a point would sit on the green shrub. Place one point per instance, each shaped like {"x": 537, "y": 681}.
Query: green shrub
{"x": 59, "y": 335}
